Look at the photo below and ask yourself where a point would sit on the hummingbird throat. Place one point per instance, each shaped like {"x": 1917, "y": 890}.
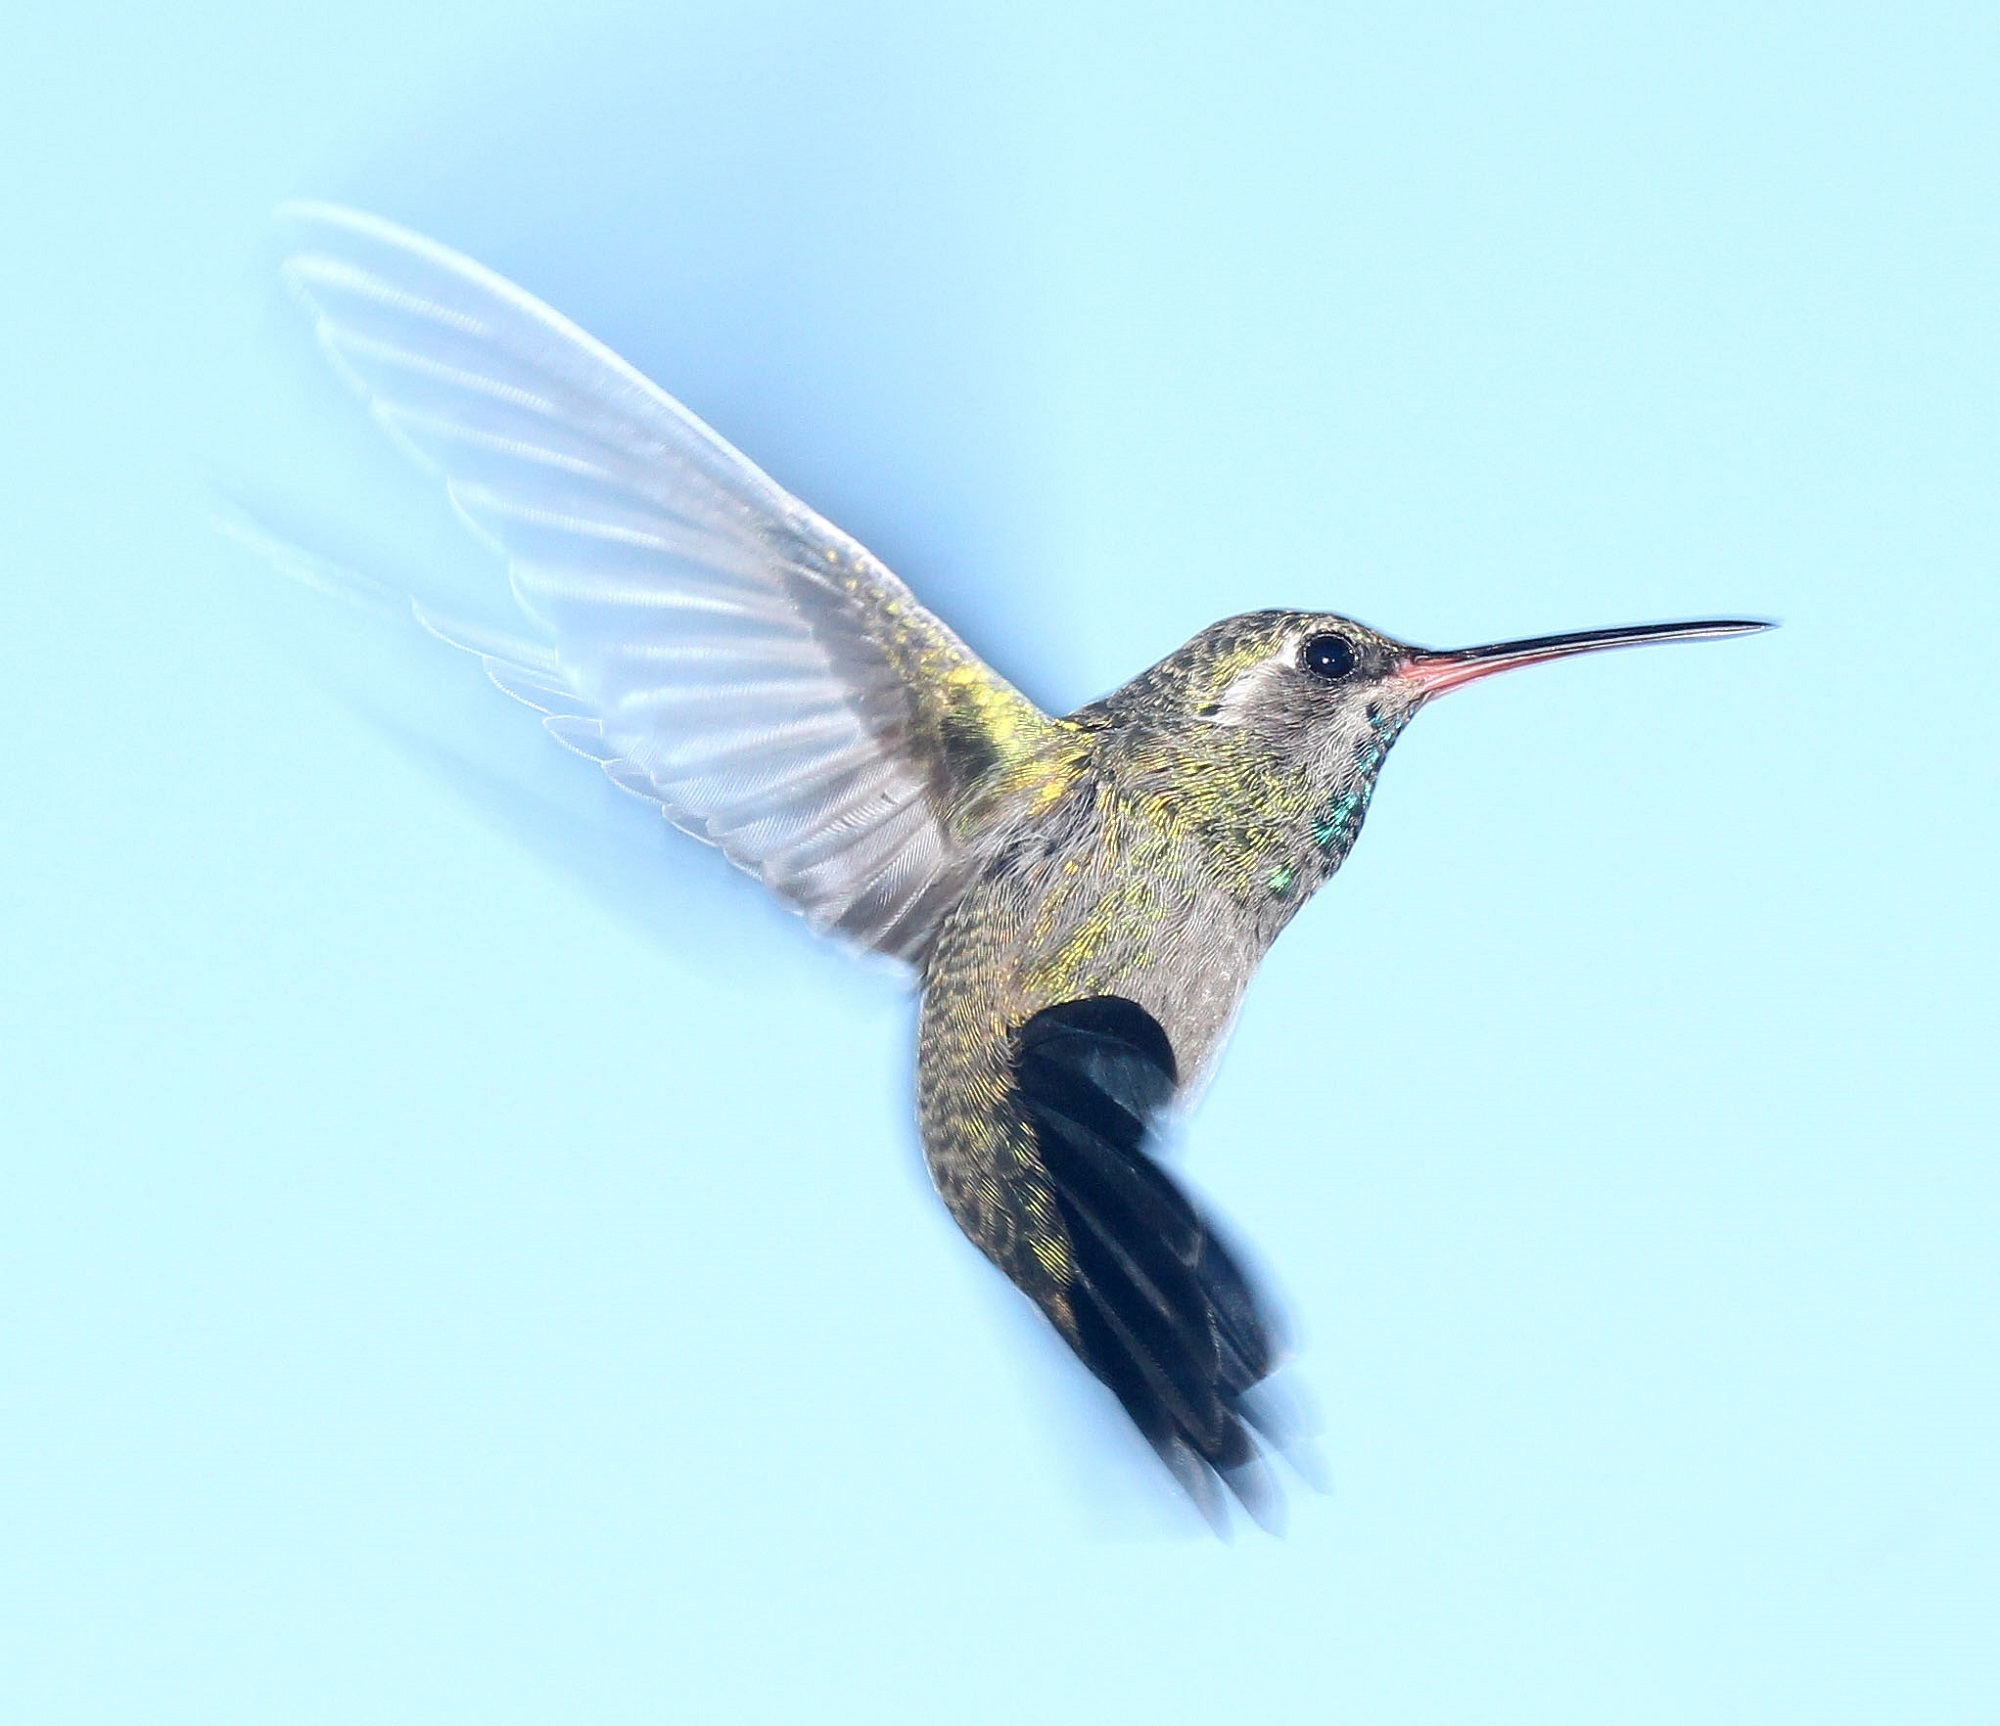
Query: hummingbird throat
{"x": 1336, "y": 819}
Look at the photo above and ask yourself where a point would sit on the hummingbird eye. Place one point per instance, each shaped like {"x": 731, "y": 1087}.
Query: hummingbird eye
{"x": 1328, "y": 656}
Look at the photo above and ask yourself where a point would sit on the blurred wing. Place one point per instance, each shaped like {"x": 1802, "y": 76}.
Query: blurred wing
{"x": 1147, "y": 1294}
{"x": 716, "y": 646}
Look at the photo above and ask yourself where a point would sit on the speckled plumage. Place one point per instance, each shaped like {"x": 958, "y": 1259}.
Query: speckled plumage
{"x": 1083, "y": 899}
{"x": 1163, "y": 839}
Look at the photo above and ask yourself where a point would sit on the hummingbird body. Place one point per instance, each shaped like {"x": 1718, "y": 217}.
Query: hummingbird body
{"x": 1155, "y": 856}
{"x": 1083, "y": 899}
{"x": 1164, "y": 839}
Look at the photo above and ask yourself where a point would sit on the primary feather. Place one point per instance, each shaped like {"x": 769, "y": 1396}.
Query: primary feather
{"x": 717, "y": 646}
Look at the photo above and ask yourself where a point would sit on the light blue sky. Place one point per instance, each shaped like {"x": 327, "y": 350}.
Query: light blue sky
{"x": 451, "y": 1279}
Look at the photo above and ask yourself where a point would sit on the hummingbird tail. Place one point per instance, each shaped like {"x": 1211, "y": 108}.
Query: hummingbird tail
{"x": 1151, "y": 1299}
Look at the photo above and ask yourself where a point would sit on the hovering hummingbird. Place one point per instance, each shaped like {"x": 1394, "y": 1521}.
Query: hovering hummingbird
{"x": 1082, "y": 899}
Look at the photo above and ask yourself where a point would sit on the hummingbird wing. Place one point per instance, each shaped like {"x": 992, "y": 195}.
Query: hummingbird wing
{"x": 716, "y": 646}
{"x": 1134, "y": 1276}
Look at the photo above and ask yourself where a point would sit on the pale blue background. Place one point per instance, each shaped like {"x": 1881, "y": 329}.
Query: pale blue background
{"x": 441, "y": 1288}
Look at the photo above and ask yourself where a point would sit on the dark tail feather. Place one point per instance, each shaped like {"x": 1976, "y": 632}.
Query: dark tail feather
{"x": 1162, "y": 1312}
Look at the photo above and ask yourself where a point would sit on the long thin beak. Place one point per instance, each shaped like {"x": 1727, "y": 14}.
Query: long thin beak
{"x": 1436, "y": 671}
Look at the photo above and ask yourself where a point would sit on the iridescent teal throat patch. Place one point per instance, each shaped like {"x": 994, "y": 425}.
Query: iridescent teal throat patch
{"x": 1340, "y": 821}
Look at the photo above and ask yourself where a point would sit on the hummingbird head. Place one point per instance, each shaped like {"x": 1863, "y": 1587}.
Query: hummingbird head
{"x": 1294, "y": 672}
{"x": 1311, "y": 701}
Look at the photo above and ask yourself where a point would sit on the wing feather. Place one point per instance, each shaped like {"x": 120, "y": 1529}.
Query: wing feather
{"x": 713, "y": 644}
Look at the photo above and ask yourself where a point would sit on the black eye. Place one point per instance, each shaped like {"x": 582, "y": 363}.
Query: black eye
{"x": 1328, "y": 656}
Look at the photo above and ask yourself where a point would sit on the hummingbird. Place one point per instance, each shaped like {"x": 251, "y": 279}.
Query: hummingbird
{"x": 1081, "y": 899}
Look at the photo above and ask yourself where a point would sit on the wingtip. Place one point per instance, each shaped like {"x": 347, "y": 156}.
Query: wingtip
{"x": 337, "y": 228}
{"x": 320, "y": 212}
